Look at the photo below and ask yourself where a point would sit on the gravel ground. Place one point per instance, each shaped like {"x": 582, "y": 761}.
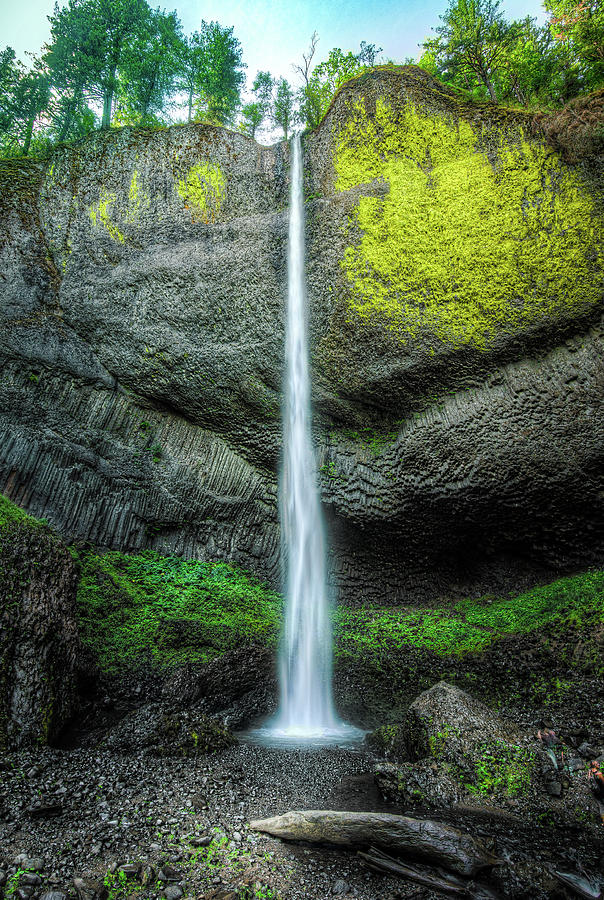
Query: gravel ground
{"x": 83, "y": 813}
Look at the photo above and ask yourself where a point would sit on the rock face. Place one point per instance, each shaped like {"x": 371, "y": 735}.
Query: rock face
{"x": 455, "y": 289}
{"x": 40, "y": 651}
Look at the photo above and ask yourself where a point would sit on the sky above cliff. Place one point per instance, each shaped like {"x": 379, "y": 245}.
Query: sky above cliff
{"x": 275, "y": 33}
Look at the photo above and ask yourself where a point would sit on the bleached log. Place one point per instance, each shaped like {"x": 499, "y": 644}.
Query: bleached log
{"x": 424, "y": 839}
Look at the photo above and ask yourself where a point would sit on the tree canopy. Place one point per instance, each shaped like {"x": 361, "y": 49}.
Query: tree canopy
{"x": 121, "y": 62}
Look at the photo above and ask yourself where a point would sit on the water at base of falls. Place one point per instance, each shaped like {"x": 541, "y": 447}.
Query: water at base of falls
{"x": 306, "y": 714}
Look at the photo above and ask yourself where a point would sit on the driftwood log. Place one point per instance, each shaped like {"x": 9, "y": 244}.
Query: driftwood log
{"x": 423, "y": 839}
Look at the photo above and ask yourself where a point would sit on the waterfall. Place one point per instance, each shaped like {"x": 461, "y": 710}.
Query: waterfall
{"x": 306, "y": 714}
{"x": 306, "y": 702}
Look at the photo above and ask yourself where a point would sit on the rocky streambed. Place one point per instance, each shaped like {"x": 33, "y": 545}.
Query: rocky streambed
{"x": 90, "y": 822}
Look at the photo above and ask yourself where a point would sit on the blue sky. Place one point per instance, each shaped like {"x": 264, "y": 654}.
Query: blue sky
{"x": 275, "y": 33}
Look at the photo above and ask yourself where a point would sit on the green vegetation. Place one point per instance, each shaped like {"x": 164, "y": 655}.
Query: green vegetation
{"x": 458, "y": 250}
{"x": 502, "y": 769}
{"x": 203, "y": 191}
{"x": 168, "y": 611}
{"x": 472, "y": 626}
{"x": 479, "y": 51}
{"x": 11, "y": 514}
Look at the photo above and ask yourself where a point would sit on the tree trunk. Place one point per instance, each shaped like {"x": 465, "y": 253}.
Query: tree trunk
{"x": 108, "y": 98}
{"x": 28, "y": 133}
{"x": 66, "y": 122}
{"x": 489, "y": 87}
{"x": 107, "y": 104}
{"x": 190, "y": 105}
{"x": 422, "y": 838}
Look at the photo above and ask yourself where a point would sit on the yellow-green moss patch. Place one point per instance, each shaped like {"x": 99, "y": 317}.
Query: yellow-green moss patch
{"x": 461, "y": 248}
{"x": 203, "y": 191}
{"x": 100, "y": 215}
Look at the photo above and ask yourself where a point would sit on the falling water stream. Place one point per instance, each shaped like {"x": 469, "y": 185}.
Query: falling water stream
{"x": 306, "y": 710}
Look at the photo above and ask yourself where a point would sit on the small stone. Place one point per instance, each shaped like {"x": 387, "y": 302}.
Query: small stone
{"x": 340, "y": 887}
{"x": 587, "y": 751}
{"x": 168, "y": 873}
{"x": 173, "y": 892}
{"x": 53, "y": 895}
{"x": 554, "y": 788}
{"x": 198, "y": 802}
{"x": 576, "y": 764}
{"x": 130, "y": 870}
{"x": 35, "y": 863}
{"x": 237, "y": 837}
{"x": 203, "y": 840}
{"x": 30, "y": 878}
{"x": 24, "y": 893}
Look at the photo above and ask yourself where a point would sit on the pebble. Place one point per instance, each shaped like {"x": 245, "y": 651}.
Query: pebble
{"x": 203, "y": 840}
{"x": 340, "y": 887}
{"x": 554, "y": 788}
{"x": 173, "y": 892}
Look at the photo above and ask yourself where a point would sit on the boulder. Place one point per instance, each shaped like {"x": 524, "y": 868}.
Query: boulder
{"x": 479, "y": 748}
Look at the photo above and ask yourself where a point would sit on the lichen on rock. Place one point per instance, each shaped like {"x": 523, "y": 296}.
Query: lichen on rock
{"x": 468, "y": 241}
{"x": 203, "y": 191}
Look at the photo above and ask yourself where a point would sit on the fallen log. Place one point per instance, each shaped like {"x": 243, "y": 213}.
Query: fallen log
{"x": 423, "y": 839}
{"x": 440, "y": 882}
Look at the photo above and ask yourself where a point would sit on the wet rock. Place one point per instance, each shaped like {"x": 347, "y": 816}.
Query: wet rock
{"x": 587, "y": 751}
{"x": 340, "y": 887}
{"x": 130, "y": 870}
{"x": 40, "y": 648}
{"x": 164, "y": 733}
{"x": 53, "y": 895}
{"x": 42, "y": 810}
{"x": 200, "y": 840}
{"x": 35, "y": 863}
{"x": 388, "y": 741}
{"x": 168, "y": 874}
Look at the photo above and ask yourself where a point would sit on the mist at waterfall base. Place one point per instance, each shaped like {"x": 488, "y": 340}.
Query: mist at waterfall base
{"x": 306, "y": 714}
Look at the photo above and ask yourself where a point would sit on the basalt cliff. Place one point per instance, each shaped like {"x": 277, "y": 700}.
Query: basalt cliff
{"x": 455, "y": 280}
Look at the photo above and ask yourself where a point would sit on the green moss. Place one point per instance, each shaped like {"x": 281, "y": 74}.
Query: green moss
{"x": 100, "y": 216}
{"x": 502, "y": 770}
{"x": 10, "y": 514}
{"x": 138, "y": 200}
{"x": 168, "y": 611}
{"x": 473, "y": 625}
{"x": 203, "y": 191}
{"x": 460, "y": 248}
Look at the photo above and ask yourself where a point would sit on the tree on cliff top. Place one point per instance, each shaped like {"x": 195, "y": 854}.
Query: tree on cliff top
{"x": 283, "y": 108}
{"x": 473, "y": 39}
{"x": 151, "y": 69}
{"x": 321, "y": 85}
{"x": 579, "y": 26}
{"x": 212, "y": 71}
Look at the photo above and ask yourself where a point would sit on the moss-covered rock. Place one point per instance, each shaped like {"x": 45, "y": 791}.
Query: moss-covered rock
{"x": 40, "y": 650}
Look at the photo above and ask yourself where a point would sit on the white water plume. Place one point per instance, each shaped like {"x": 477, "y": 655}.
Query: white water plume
{"x": 306, "y": 709}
